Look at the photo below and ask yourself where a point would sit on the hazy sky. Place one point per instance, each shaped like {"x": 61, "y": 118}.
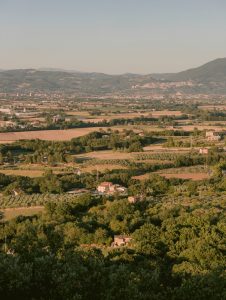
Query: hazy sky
{"x": 112, "y": 36}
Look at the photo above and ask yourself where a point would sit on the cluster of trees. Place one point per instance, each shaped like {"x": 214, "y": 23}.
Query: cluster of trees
{"x": 176, "y": 252}
{"x": 153, "y": 186}
{"x": 76, "y": 123}
{"x": 171, "y": 133}
{"x": 178, "y": 231}
{"x": 51, "y": 152}
{"x": 211, "y": 115}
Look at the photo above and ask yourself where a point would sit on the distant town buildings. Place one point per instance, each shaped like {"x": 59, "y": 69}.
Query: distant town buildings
{"x": 165, "y": 85}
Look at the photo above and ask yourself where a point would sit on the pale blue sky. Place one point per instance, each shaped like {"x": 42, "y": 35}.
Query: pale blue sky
{"x": 112, "y": 36}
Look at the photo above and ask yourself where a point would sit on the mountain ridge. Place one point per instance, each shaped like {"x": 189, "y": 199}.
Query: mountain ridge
{"x": 213, "y": 70}
{"x": 207, "y": 78}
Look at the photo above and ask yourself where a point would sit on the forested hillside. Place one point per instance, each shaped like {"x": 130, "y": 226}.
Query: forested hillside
{"x": 177, "y": 251}
{"x": 208, "y": 79}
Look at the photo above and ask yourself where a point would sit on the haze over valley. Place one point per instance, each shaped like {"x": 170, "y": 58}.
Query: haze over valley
{"x": 206, "y": 79}
{"x": 113, "y": 150}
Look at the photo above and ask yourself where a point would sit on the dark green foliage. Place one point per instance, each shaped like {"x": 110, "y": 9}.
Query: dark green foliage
{"x": 99, "y": 84}
{"x": 176, "y": 252}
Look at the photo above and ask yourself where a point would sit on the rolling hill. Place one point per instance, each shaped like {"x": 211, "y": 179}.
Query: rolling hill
{"x": 209, "y": 79}
{"x": 214, "y": 71}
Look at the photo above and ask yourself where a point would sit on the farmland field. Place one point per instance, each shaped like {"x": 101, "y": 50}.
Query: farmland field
{"x": 191, "y": 176}
{"x": 212, "y": 107}
{"x": 203, "y": 127}
{"x": 194, "y": 173}
{"x": 10, "y": 213}
{"x": 128, "y": 115}
{"x": 102, "y": 167}
{"x": 106, "y": 155}
{"x": 48, "y": 135}
{"x": 29, "y": 173}
{"x": 159, "y": 148}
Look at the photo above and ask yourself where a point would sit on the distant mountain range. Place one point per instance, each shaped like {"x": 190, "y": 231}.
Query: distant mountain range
{"x": 214, "y": 71}
{"x": 209, "y": 79}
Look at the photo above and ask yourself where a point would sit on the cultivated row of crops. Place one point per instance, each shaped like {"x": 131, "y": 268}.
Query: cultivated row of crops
{"x": 192, "y": 169}
{"x": 32, "y": 200}
{"x": 120, "y": 162}
{"x": 158, "y": 156}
